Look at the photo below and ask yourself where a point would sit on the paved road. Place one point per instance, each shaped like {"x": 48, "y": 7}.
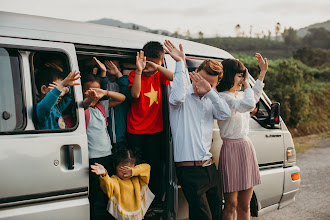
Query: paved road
{"x": 313, "y": 199}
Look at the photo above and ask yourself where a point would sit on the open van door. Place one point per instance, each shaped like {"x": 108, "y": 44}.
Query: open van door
{"x": 44, "y": 173}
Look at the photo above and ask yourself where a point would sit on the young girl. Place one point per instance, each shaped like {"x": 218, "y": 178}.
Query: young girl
{"x": 99, "y": 145}
{"x": 128, "y": 192}
{"x": 238, "y": 164}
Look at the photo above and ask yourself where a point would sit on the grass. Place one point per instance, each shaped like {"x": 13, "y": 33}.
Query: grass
{"x": 303, "y": 147}
{"x": 302, "y": 144}
{"x": 325, "y": 134}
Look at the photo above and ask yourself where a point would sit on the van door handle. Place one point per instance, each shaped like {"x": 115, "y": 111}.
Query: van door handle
{"x": 272, "y": 135}
{"x": 70, "y": 157}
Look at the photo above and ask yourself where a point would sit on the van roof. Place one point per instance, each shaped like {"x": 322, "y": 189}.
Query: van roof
{"x": 59, "y": 30}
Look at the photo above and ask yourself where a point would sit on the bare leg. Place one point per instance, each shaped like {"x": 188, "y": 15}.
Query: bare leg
{"x": 243, "y": 204}
{"x": 230, "y": 205}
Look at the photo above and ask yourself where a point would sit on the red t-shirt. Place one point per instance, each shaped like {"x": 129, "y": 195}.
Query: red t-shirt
{"x": 145, "y": 115}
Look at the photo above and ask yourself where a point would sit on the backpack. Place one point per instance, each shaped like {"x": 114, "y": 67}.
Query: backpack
{"x": 101, "y": 108}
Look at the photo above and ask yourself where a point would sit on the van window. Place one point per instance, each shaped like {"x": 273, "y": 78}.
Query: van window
{"x": 44, "y": 60}
{"x": 12, "y": 112}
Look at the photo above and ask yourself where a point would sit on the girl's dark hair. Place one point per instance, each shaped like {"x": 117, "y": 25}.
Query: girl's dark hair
{"x": 123, "y": 154}
{"x": 230, "y": 68}
{"x": 89, "y": 78}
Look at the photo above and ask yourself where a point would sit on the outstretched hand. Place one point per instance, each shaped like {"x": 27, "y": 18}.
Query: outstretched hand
{"x": 200, "y": 85}
{"x": 101, "y": 66}
{"x": 177, "y": 55}
{"x": 98, "y": 169}
{"x": 150, "y": 67}
{"x": 92, "y": 97}
{"x": 112, "y": 68}
{"x": 126, "y": 170}
{"x": 99, "y": 92}
{"x": 70, "y": 79}
{"x": 141, "y": 61}
{"x": 263, "y": 64}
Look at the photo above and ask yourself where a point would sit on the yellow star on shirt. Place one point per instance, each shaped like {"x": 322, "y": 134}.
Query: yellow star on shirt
{"x": 153, "y": 95}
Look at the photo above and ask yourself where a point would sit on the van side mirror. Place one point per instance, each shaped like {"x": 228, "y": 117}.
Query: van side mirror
{"x": 274, "y": 115}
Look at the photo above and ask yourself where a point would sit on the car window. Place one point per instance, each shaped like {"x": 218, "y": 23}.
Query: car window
{"x": 11, "y": 98}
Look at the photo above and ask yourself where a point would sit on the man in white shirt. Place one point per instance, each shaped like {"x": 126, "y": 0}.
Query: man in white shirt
{"x": 193, "y": 109}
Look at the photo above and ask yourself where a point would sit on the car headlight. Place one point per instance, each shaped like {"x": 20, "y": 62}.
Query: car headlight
{"x": 291, "y": 155}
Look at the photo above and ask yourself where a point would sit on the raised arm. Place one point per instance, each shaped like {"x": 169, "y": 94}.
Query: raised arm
{"x": 251, "y": 95}
{"x": 142, "y": 171}
{"x": 141, "y": 62}
{"x": 178, "y": 90}
{"x": 106, "y": 183}
{"x": 91, "y": 99}
{"x": 46, "y": 104}
{"x": 247, "y": 99}
{"x": 66, "y": 95}
{"x": 115, "y": 97}
{"x": 153, "y": 67}
{"x": 101, "y": 67}
{"x": 220, "y": 108}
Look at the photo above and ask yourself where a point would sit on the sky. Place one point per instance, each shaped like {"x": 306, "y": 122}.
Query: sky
{"x": 212, "y": 17}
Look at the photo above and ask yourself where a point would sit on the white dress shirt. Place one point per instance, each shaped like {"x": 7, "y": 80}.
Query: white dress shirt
{"x": 191, "y": 118}
{"x": 241, "y": 104}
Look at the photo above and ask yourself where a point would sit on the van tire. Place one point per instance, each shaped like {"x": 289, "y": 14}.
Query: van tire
{"x": 254, "y": 206}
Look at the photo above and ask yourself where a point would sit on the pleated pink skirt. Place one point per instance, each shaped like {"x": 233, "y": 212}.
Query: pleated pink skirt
{"x": 238, "y": 165}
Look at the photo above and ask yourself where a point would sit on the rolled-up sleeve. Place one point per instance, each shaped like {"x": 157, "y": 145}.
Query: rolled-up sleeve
{"x": 220, "y": 109}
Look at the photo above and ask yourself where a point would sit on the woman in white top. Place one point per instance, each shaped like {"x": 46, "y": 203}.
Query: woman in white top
{"x": 238, "y": 164}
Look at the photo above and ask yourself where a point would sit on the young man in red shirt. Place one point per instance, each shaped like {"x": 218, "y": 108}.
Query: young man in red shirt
{"x": 145, "y": 118}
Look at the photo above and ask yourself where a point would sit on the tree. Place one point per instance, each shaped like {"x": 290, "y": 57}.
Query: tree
{"x": 269, "y": 34}
{"x": 188, "y": 34}
{"x": 250, "y": 31}
{"x": 317, "y": 37}
{"x": 201, "y": 35}
{"x": 314, "y": 57}
{"x": 277, "y": 30}
{"x": 290, "y": 37}
{"x": 238, "y": 30}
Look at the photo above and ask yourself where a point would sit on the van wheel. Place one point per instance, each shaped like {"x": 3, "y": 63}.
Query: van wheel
{"x": 254, "y": 206}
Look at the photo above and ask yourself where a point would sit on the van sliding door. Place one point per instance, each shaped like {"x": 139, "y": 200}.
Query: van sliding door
{"x": 44, "y": 173}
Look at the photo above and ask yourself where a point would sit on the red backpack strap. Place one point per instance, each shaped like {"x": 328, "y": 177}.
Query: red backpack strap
{"x": 87, "y": 116}
{"x": 102, "y": 109}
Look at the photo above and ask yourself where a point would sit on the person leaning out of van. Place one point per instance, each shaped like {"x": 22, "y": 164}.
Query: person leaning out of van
{"x": 99, "y": 145}
{"x": 55, "y": 94}
{"x": 145, "y": 117}
{"x": 238, "y": 164}
{"x": 193, "y": 109}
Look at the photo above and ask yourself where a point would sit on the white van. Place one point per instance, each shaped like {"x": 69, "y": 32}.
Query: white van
{"x": 44, "y": 173}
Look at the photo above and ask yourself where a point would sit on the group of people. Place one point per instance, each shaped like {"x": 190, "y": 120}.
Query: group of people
{"x": 124, "y": 125}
